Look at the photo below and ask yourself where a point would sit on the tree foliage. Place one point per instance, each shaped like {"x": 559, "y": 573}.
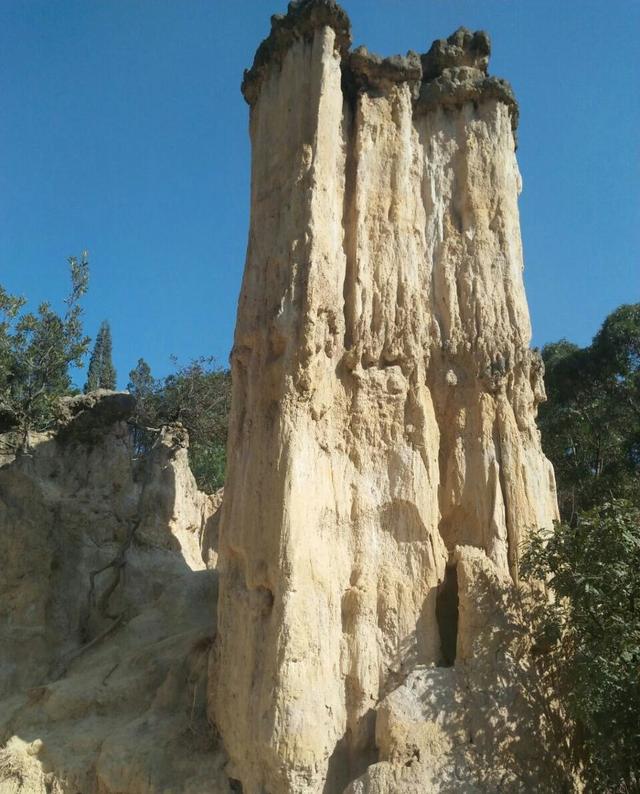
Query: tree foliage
{"x": 589, "y": 631}
{"x": 591, "y": 422}
{"x": 101, "y": 373}
{"x": 142, "y": 385}
{"x": 36, "y": 351}
{"x": 197, "y": 395}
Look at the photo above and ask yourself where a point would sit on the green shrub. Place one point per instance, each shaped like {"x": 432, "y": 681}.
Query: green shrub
{"x": 590, "y": 635}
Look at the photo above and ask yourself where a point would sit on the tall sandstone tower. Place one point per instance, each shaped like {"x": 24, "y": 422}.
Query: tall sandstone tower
{"x": 384, "y": 462}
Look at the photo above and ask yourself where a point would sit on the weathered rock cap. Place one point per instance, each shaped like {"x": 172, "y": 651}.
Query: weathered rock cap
{"x": 303, "y": 17}
{"x": 452, "y": 72}
{"x": 370, "y": 70}
{"x": 458, "y": 85}
{"x": 462, "y": 48}
{"x": 88, "y": 415}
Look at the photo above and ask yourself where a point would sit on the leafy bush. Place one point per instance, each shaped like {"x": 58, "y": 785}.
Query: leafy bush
{"x": 590, "y": 635}
{"x": 208, "y": 464}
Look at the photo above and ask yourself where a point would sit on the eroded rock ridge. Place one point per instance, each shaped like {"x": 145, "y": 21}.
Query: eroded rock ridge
{"x": 107, "y": 610}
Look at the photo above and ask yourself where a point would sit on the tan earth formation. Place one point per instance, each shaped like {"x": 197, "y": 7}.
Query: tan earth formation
{"x": 384, "y": 469}
{"x": 384, "y": 395}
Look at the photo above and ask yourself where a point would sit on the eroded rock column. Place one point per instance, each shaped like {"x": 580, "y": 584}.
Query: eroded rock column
{"x": 383, "y": 390}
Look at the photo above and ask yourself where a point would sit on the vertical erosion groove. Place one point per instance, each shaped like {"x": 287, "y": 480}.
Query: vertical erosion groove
{"x": 349, "y": 220}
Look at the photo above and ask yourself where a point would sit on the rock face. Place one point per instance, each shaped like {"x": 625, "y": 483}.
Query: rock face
{"x": 102, "y": 686}
{"x": 384, "y": 469}
{"x": 476, "y": 726}
{"x": 382, "y": 439}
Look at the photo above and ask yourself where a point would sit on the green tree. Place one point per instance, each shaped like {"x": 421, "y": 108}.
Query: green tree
{"x": 197, "y": 395}
{"x": 36, "y": 351}
{"x": 141, "y": 383}
{"x": 143, "y": 386}
{"x": 95, "y": 363}
{"x": 108, "y": 376}
{"x": 101, "y": 373}
{"x": 590, "y": 632}
{"x": 591, "y": 422}
{"x": 9, "y": 309}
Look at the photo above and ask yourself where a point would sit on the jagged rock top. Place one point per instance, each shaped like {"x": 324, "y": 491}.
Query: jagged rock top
{"x": 452, "y": 72}
{"x": 462, "y": 48}
{"x": 303, "y": 17}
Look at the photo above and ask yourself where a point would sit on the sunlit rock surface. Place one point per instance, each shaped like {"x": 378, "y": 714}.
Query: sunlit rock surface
{"x": 103, "y": 686}
{"x": 384, "y": 402}
{"x": 384, "y": 470}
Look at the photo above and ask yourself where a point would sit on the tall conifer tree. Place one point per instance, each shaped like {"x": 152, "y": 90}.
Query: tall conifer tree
{"x": 107, "y": 372}
{"x": 101, "y": 373}
{"x": 95, "y": 363}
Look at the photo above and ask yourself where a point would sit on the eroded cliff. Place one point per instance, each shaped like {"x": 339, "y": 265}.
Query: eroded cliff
{"x": 107, "y": 611}
{"x": 384, "y": 400}
{"x": 384, "y": 469}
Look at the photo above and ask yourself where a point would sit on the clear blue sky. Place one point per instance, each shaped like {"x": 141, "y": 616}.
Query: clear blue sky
{"x": 123, "y": 131}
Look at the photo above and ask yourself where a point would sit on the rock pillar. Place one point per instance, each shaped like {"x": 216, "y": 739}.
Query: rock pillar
{"x": 384, "y": 393}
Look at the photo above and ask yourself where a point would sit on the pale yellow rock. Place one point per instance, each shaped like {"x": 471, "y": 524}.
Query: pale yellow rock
{"x": 175, "y": 511}
{"x": 384, "y": 469}
{"x": 384, "y": 398}
{"x": 126, "y": 715}
{"x": 478, "y": 726}
{"x": 22, "y": 773}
